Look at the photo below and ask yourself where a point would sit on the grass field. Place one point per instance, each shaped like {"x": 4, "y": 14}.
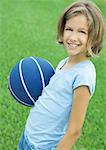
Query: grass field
{"x": 28, "y": 28}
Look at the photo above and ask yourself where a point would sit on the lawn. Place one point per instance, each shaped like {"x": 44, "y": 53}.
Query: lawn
{"x": 28, "y": 28}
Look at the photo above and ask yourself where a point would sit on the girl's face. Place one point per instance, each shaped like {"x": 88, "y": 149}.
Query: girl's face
{"x": 75, "y": 35}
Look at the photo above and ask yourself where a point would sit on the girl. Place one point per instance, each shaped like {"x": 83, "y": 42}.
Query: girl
{"x": 56, "y": 120}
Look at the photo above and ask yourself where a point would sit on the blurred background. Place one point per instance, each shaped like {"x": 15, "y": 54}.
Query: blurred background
{"x": 28, "y": 28}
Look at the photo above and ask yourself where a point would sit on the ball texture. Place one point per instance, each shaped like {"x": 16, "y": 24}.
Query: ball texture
{"x": 28, "y": 78}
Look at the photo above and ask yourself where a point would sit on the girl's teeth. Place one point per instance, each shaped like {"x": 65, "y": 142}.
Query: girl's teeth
{"x": 73, "y": 45}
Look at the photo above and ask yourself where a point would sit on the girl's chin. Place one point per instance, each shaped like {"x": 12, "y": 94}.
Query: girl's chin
{"x": 71, "y": 52}
{"x": 71, "y": 49}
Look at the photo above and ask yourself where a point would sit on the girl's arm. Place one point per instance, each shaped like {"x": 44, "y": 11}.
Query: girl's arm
{"x": 81, "y": 97}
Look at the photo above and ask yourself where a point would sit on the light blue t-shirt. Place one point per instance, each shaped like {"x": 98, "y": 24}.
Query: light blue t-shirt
{"x": 48, "y": 119}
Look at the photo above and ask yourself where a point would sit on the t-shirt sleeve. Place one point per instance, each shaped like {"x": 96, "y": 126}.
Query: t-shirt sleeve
{"x": 83, "y": 79}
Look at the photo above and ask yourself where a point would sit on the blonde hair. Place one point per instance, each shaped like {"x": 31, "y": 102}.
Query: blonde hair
{"x": 95, "y": 24}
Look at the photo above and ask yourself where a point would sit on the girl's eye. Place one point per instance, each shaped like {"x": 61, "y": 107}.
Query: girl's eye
{"x": 83, "y": 32}
{"x": 68, "y": 29}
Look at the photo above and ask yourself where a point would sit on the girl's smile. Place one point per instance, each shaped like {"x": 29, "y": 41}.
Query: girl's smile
{"x": 72, "y": 45}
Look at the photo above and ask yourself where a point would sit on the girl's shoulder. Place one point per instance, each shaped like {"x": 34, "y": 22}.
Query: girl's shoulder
{"x": 89, "y": 67}
{"x": 86, "y": 70}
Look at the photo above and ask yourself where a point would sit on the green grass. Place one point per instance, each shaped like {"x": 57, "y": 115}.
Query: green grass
{"x": 28, "y": 28}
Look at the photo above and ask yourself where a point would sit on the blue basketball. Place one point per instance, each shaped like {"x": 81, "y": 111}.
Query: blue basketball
{"x": 28, "y": 78}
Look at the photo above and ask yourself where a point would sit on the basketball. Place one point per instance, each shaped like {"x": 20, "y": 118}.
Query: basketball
{"x": 27, "y": 79}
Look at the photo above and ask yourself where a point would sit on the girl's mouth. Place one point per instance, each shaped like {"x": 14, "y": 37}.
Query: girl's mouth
{"x": 73, "y": 45}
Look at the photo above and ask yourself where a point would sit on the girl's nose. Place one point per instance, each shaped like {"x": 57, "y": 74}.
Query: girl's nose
{"x": 73, "y": 36}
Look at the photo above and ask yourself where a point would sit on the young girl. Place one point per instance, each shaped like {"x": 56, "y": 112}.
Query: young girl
{"x": 56, "y": 120}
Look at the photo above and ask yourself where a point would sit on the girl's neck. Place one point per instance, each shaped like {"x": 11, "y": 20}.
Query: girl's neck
{"x": 75, "y": 60}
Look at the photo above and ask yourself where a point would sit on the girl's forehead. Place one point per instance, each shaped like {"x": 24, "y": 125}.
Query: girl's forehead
{"x": 78, "y": 20}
